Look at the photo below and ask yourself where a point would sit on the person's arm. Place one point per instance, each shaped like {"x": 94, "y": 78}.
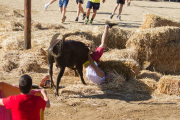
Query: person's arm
{"x": 43, "y": 92}
{"x": 1, "y": 102}
{"x": 99, "y": 72}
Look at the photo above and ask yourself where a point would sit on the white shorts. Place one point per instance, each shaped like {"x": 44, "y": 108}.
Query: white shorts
{"x": 92, "y": 75}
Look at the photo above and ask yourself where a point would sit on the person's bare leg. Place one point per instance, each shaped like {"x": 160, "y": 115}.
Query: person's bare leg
{"x": 88, "y": 12}
{"x": 78, "y": 9}
{"x": 61, "y": 9}
{"x": 87, "y": 15}
{"x": 115, "y": 8}
{"x": 94, "y": 13}
{"x": 81, "y": 9}
{"x": 120, "y": 9}
{"x": 46, "y": 5}
{"x": 52, "y": 1}
{"x": 63, "y": 12}
{"x": 104, "y": 37}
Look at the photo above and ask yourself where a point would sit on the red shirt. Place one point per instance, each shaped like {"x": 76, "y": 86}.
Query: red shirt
{"x": 25, "y": 107}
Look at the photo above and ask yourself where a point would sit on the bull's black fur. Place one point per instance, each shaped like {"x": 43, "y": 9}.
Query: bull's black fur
{"x": 68, "y": 53}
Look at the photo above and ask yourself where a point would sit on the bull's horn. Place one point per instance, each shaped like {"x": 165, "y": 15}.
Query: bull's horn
{"x": 69, "y": 34}
{"x": 54, "y": 37}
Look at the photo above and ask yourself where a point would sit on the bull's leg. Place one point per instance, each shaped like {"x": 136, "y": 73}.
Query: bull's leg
{"x": 51, "y": 73}
{"x": 61, "y": 72}
{"x": 80, "y": 69}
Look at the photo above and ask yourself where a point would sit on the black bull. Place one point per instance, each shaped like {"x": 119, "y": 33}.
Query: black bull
{"x": 68, "y": 53}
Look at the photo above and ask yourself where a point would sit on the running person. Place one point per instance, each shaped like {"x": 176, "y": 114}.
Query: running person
{"x": 121, "y": 2}
{"x": 80, "y": 9}
{"x": 63, "y": 5}
{"x": 95, "y": 4}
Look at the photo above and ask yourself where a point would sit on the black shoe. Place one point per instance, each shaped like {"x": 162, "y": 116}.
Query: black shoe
{"x": 76, "y": 19}
{"x": 110, "y": 25}
{"x": 84, "y": 15}
{"x": 111, "y": 16}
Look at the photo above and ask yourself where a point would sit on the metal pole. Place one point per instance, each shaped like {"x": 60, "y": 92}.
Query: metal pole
{"x": 27, "y": 24}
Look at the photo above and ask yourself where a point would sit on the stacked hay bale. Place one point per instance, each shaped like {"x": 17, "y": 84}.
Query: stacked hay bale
{"x": 111, "y": 61}
{"x": 116, "y": 37}
{"x": 169, "y": 85}
{"x": 158, "y": 46}
{"x": 151, "y": 84}
{"x": 149, "y": 74}
{"x": 151, "y": 21}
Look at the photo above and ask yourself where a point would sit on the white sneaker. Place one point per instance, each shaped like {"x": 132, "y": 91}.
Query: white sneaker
{"x": 46, "y": 6}
{"x": 119, "y": 17}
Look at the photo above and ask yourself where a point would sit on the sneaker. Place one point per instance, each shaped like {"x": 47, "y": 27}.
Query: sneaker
{"x": 46, "y": 6}
{"x": 128, "y": 4}
{"x": 91, "y": 22}
{"x": 84, "y": 15}
{"x": 111, "y": 16}
{"x": 86, "y": 21}
{"x": 76, "y": 19}
{"x": 63, "y": 19}
{"x": 110, "y": 25}
{"x": 119, "y": 17}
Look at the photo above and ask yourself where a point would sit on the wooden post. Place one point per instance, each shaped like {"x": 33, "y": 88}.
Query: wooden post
{"x": 27, "y": 24}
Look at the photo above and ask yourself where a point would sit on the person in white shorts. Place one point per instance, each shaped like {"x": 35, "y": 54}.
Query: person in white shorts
{"x": 93, "y": 72}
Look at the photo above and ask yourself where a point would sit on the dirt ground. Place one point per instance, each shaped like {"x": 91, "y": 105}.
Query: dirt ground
{"x": 94, "y": 102}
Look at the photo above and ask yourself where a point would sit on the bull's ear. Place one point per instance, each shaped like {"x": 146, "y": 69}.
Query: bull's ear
{"x": 54, "y": 37}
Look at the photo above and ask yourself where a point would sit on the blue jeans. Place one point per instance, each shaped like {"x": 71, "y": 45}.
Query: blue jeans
{"x": 63, "y": 3}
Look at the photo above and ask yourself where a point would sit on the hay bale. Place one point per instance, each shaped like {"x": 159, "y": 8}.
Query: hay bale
{"x": 155, "y": 44}
{"x": 151, "y": 84}
{"x": 111, "y": 61}
{"x": 133, "y": 86}
{"x": 116, "y": 82}
{"x": 149, "y": 74}
{"x": 9, "y": 65}
{"x": 116, "y": 37}
{"x": 169, "y": 85}
{"x": 151, "y": 21}
{"x": 29, "y": 66}
{"x": 166, "y": 59}
{"x": 28, "y": 63}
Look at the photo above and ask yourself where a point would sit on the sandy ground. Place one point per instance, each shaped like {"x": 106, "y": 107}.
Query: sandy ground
{"x": 107, "y": 104}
